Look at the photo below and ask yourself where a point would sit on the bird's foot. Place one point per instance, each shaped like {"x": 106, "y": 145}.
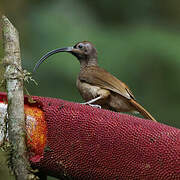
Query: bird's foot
{"x": 92, "y": 105}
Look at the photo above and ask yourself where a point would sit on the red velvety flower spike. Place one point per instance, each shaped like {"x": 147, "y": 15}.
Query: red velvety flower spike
{"x": 82, "y": 142}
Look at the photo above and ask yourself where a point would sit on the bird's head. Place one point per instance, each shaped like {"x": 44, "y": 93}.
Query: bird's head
{"x": 84, "y": 51}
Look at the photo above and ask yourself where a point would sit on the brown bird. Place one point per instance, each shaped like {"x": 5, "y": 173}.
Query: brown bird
{"x": 96, "y": 85}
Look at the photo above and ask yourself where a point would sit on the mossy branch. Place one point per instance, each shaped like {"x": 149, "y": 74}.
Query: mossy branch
{"x": 1, "y": 56}
{"x": 14, "y": 83}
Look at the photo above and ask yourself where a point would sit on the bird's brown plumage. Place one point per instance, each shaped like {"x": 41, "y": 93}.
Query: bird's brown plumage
{"x": 98, "y": 77}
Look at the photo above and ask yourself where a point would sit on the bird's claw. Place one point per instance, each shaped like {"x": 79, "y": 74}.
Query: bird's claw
{"x": 95, "y": 105}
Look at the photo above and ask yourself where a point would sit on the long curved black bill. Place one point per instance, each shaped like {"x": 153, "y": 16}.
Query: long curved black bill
{"x": 67, "y": 49}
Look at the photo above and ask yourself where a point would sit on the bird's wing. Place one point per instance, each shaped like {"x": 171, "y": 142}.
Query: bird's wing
{"x": 99, "y": 77}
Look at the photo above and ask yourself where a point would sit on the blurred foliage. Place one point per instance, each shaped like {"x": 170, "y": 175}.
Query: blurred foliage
{"x": 4, "y": 171}
{"x": 137, "y": 41}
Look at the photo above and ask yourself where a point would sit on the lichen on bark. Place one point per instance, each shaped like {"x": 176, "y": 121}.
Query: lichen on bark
{"x": 1, "y": 56}
{"x": 14, "y": 83}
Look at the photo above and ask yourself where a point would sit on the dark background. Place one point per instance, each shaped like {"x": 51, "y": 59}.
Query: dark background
{"x": 137, "y": 41}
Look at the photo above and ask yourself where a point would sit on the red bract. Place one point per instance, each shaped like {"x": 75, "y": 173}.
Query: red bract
{"x": 90, "y": 143}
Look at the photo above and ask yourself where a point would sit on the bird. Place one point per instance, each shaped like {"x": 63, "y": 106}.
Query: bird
{"x": 97, "y": 86}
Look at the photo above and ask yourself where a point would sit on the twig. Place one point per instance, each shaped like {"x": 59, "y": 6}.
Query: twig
{"x": 14, "y": 83}
{"x": 1, "y": 56}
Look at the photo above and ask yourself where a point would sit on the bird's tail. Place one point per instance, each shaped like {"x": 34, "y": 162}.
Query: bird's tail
{"x": 144, "y": 113}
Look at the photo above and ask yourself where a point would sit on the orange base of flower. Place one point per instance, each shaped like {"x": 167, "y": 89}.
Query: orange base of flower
{"x": 36, "y": 129}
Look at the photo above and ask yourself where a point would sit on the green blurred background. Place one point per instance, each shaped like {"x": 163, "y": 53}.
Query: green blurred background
{"x": 137, "y": 41}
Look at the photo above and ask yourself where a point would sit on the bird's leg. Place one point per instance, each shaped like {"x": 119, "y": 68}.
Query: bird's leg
{"x": 102, "y": 94}
{"x": 92, "y": 101}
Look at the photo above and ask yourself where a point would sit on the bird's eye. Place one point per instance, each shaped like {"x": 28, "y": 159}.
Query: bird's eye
{"x": 80, "y": 46}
